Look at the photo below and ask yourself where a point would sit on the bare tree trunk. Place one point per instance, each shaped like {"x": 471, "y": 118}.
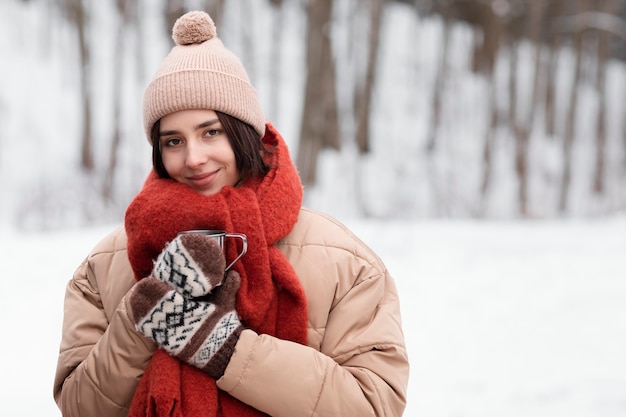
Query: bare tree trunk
{"x": 522, "y": 125}
{"x": 604, "y": 39}
{"x": 85, "y": 88}
{"x": 140, "y": 50}
{"x": 489, "y": 137}
{"x": 248, "y": 38}
{"x": 320, "y": 124}
{"x": 276, "y": 60}
{"x": 363, "y": 93}
{"x": 74, "y": 11}
{"x": 107, "y": 189}
{"x": 622, "y": 56}
{"x": 485, "y": 54}
{"x": 555, "y": 8}
{"x": 520, "y": 129}
{"x": 439, "y": 86}
{"x": 535, "y": 28}
{"x": 520, "y": 133}
{"x": 484, "y": 61}
{"x": 550, "y": 123}
{"x": 570, "y": 124}
{"x": 126, "y": 13}
{"x": 513, "y": 60}
{"x": 599, "y": 171}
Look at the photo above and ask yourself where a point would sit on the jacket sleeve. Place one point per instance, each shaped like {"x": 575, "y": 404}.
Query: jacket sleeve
{"x": 360, "y": 367}
{"x": 101, "y": 357}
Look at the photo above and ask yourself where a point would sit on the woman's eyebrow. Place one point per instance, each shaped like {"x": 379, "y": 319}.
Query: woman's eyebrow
{"x": 167, "y": 132}
{"x": 207, "y": 123}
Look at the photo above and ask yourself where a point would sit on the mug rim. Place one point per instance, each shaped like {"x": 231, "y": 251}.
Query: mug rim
{"x": 210, "y": 232}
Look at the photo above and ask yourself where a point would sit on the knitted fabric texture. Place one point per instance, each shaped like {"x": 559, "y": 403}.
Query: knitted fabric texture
{"x": 191, "y": 263}
{"x": 270, "y": 300}
{"x": 201, "y": 332}
{"x": 200, "y": 73}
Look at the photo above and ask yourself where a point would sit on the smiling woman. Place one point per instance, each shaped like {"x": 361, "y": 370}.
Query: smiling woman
{"x": 156, "y": 325}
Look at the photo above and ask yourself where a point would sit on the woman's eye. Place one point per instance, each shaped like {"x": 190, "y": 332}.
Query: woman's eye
{"x": 172, "y": 142}
{"x": 211, "y": 133}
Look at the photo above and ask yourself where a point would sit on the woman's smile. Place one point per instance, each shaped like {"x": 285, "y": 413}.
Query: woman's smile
{"x": 202, "y": 180}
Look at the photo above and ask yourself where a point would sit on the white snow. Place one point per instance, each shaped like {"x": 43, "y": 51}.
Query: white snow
{"x": 501, "y": 318}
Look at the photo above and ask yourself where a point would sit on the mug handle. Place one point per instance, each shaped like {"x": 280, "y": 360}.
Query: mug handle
{"x": 244, "y": 249}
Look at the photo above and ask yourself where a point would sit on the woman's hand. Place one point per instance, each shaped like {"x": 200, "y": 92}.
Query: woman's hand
{"x": 192, "y": 263}
{"x": 202, "y": 332}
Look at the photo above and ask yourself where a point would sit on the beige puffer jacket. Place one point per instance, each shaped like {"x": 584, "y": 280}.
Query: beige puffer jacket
{"x": 356, "y": 363}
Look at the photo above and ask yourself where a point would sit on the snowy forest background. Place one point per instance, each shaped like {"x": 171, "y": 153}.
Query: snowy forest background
{"x": 392, "y": 109}
{"x": 478, "y": 146}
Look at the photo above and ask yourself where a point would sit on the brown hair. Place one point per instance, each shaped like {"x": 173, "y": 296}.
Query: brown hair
{"x": 243, "y": 138}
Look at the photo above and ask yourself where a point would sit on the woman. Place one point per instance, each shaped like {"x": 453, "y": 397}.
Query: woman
{"x": 306, "y": 323}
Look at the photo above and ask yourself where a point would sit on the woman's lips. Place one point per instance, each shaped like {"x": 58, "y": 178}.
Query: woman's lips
{"x": 202, "y": 180}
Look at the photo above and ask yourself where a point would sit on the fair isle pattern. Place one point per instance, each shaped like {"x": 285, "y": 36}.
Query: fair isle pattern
{"x": 222, "y": 331}
{"x": 174, "y": 320}
{"x": 176, "y": 266}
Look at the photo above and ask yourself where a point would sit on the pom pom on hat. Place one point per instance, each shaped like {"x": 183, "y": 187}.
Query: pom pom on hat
{"x": 201, "y": 73}
{"x": 193, "y": 27}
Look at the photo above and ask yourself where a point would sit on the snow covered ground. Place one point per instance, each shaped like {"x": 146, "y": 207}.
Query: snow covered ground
{"x": 501, "y": 318}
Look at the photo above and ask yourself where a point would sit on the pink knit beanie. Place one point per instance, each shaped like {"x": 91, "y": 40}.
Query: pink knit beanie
{"x": 200, "y": 73}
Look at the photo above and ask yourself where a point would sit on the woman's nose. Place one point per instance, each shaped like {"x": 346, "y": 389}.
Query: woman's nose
{"x": 196, "y": 155}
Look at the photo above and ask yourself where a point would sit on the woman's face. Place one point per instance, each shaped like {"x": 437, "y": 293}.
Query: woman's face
{"x": 196, "y": 151}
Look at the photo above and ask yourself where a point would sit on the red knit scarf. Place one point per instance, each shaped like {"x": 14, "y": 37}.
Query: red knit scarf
{"x": 271, "y": 299}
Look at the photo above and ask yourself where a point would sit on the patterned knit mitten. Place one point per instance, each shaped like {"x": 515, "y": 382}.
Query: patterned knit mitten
{"x": 202, "y": 333}
{"x": 192, "y": 263}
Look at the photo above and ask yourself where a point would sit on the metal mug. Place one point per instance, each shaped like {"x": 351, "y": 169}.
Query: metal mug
{"x": 219, "y": 236}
